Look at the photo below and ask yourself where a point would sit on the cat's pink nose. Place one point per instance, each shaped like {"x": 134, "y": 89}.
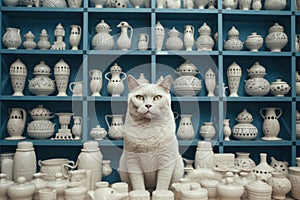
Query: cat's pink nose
{"x": 148, "y": 106}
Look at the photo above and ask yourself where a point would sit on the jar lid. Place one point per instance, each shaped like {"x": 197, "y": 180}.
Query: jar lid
{"x": 24, "y": 145}
{"x": 102, "y": 26}
{"x": 115, "y": 68}
{"x": 233, "y": 32}
{"x": 40, "y": 113}
{"x": 21, "y": 185}
{"x": 173, "y": 32}
{"x": 42, "y": 68}
{"x": 278, "y": 81}
{"x": 204, "y": 29}
{"x": 276, "y": 28}
{"x": 204, "y": 145}
{"x": 29, "y": 35}
{"x": 244, "y": 116}
{"x": 256, "y": 68}
{"x": 187, "y": 68}
{"x": 90, "y": 146}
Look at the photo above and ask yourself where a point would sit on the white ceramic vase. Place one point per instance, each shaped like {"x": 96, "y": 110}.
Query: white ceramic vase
{"x": 96, "y": 82}
{"x": 188, "y": 37}
{"x": 245, "y": 4}
{"x": 281, "y": 185}
{"x": 254, "y": 42}
{"x": 210, "y": 82}
{"x": 43, "y": 43}
{"x": 160, "y": 36}
{"x": 204, "y": 41}
{"x": 77, "y": 127}
{"x": 12, "y": 38}
{"x": 16, "y": 123}
{"x": 276, "y": 40}
{"x": 115, "y": 85}
{"x": 185, "y": 130}
{"x": 234, "y": 73}
{"x": 115, "y": 130}
{"x": 294, "y": 177}
{"x": 271, "y": 126}
{"x": 233, "y": 43}
{"x": 256, "y": 4}
{"x": 7, "y": 163}
{"x": 263, "y": 169}
{"x": 18, "y": 74}
{"x": 61, "y": 73}
{"x": 226, "y": 130}
{"x": 76, "y": 88}
{"x": 275, "y": 4}
{"x": 29, "y": 42}
{"x": 143, "y": 41}
{"x": 230, "y": 4}
{"x": 75, "y": 36}
{"x": 204, "y": 157}
{"x": 124, "y": 41}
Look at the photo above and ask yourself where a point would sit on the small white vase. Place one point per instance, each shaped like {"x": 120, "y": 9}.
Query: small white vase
{"x": 12, "y": 38}
{"x": 245, "y": 4}
{"x": 61, "y": 73}
{"x": 226, "y": 130}
{"x": 210, "y": 82}
{"x": 188, "y": 38}
{"x": 143, "y": 41}
{"x": 75, "y": 36}
{"x": 29, "y": 43}
{"x": 185, "y": 129}
{"x": 18, "y": 74}
{"x": 124, "y": 41}
{"x": 160, "y": 35}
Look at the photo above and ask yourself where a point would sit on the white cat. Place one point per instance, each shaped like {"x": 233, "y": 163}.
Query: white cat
{"x": 151, "y": 158}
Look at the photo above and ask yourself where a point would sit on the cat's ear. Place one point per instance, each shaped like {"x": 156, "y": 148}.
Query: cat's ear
{"x": 132, "y": 83}
{"x": 166, "y": 83}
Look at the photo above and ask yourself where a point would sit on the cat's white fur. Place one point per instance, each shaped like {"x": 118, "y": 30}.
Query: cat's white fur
{"x": 151, "y": 158}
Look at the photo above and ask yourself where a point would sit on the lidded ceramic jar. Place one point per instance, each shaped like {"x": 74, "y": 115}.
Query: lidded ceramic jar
{"x": 29, "y": 42}
{"x": 21, "y": 190}
{"x": 257, "y": 85}
{"x": 205, "y": 41}
{"x": 41, "y": 127}
{"x": 233, "y": 43}
{"x": 160, "y": 35}
{"x": 4, "y": 185}
{"x": 204, "y": 157}
{"x": 279, "y": 88}
{"x": 103, "y": 40}
{"x": 174, "y": 42}
{"x": 244, "y": 130}
{"x": 259, "y": 190}
{"x": 42, "y": 84}
{"x": 230, "y": 189}
{"x": 254, "y": 42}
{"x": 187, "y": 84}
{"x": 276, "y": 39}
{"x": 43, "y": 43}
{"x": 98, "y": 133}
{"x": 281, "y": 185}
{"x": 207, "y": 130}
{"x": 263, "y": 169}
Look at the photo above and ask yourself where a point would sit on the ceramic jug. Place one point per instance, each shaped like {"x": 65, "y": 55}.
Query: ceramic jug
{"x": 76, "y": 88}
{"x": 185, "y": 129}
{"x": 143, "y": 41}
{"x": 271, "y": 126}
{"x": 77, "y": 127}
{"x": 16, "y": 123}
{"x": 12, "y": 38}
{"x": 124, "y": 42}
{"x": 188, "y": 37}
{"x": 96, "y": 82}
{"x": 115, "y": 130}
{"x": 115, "y": 84}
{"x": 75, "y": 36}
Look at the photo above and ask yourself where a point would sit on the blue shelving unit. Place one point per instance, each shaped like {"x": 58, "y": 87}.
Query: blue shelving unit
{"x": 154, "y": 64}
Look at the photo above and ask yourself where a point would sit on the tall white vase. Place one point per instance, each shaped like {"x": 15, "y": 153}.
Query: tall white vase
{"x": 160, "y": 36}
{"x": 210, "y": 82}
{"x": 18, "y": 74}
{"x": 234, "y": 73}
{"x": 96, "y": 82}
{"x": 188, "y": 38}
{"x": 62, "y": 73}
{"x": 75, "y": 36}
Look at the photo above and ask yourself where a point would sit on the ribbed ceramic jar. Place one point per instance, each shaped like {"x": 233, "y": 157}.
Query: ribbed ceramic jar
{"x": 204, "y": 157}
{"x": 259, "y": 190}
{"x": 24, "y": 161}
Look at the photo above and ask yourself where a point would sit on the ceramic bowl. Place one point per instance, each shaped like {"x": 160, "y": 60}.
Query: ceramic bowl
{"x": 279, "y": 88}
{"x": 40, "y": 129}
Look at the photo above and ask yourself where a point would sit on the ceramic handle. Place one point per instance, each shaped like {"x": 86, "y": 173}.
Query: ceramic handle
{"x": 106, "y": 76}
{"x": 125, "y": 76}
{"x": 131, "y": 32}
{"x": 70, "y": 86}
{"x": 106, "y": 116}
{"x": 176, "y": 115}
{"x": 40, "y": 163}
{"x": 90, "y": 73}
{"x": 280, "y": 112}
{"x": 24, "y": 116}
{"x": 79, "y": 30}
{"x": 260, "y": 112}
{"x": 193, "y": 30}
{"x": 147, "y": 37}
{"x": 67, "y": 166}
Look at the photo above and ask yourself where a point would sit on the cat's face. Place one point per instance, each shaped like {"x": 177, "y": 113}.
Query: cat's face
{"x": 150, "y": 101}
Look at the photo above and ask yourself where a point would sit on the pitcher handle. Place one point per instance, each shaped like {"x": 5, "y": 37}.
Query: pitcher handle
{"x": 67, "y": 166}
{"x": 125, "y": 76}
{"x": 147, "y": 37}
{"x": 176, "y": 115}
{"x": 260, "y": 112}
{"x": 106, "y": 120}
{"x": 193, "y": 29}
{"x": 79, "y": 27}
{"x": 24, "y": 115}
{"x": 70, "y": 86}
{"x": 90, "y": 73}
{"x": 40, "y": 163}
{"x": 131, "y": 32}
{"x": 280, "y": 112}
{"x": 106, "y": 76}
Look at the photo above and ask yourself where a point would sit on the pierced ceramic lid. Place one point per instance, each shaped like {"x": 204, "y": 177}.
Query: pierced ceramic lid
{"x": 259, "y": 186}
{"x": 173, "y": 32}
{"x": 278, "y": 82}
{"x": 29, "y": 35}
{"x": 102, "y": 26}
{"x": 257, "y": 68}
{"x": 40, "y": 113}
{"x": 187, "y": 68}
{"x": 244, "y": 116}
{"x": 44, "y": 33}
{"x": 276, "y": 28}
{"x": 233, "y": 32}
{"x": 115, "y": 68}
{"x": 204, "y": 29}
{"x": 253, "y": 35}
{"x": 41, "y": 68}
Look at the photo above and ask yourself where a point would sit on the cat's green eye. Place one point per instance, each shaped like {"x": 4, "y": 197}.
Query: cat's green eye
{"x": 157, "y": 97}
{"x": 139, "y": 97}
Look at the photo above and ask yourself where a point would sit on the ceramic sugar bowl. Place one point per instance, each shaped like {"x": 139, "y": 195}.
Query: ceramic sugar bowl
{"x": 254, "y": 42}
{"x": 244, "y": 130}
{"x": 276, "y": 39}
{"x": 279, "y": 88}
{"x": 21, "y": 190}
{"x": 98, "y": 133}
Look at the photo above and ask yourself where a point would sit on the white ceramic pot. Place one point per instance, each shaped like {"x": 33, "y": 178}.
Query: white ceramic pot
{"x": 7, "y": 164}
{"x": 18, "y": 74}
{"x": 143, "y": 41}
{"x": 275, "y": 4}
{"x": 204, "y": 157}
{"x": 98, "y": 133}
{"x": 230, "y": 190}
{"x": 271, "y": 126}
{"x": 207, "y": 130}
{"x": 234, "y": 73}
{"x": 24, "y": 161}
{"x": 256, "y": 5}
{"x": 188, "y": 38}
{"x": 281, "y": 185}
{"x": 259, "y": 189}
{"x": 294, "y": 177}
{"x": 29, "y": 42}
{"x": 103, "y": 40}
{"x": 124, "y": 41}
{"x": 40, "y": 129}
{"x": 47, "y": 194}
{"x": 61, "y": 73}
{"x": 115, "y": 85}
{"x": 233, "y": 43}
{"x": 254, "y": 42}
{"x": 185, "y": 130}
{"x": 244, "y": 130}
{"x": 173, "y": 4}
{"x": 230, "y": 4}
{"x": 43, "y": 43}
{"x": 174, "y": 42}
{"x": 137, "y": 3}
{"x": 204, "y": 41}
{"x": 59, "y": 184}
{"x": 279, "y": 88}
{"x": 76, "y": 88}
{"x": 244, "y": 161}
{"x": 54, "y": 3}
{"x": 12, "y": 38}
{"x": 75, "y": 191}
{"x": 160, "y": 35}
{"x": 263, "y": 169}
{"x": 194, "y": 192}
{"x": 21, "y": 190}
{"x": 40, "y": 184}
{"x": 276, "y": 39}
{"x": 74, "y": 3}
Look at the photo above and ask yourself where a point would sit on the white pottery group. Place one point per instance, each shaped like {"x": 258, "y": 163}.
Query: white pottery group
{"x": 254, "y": 4}
{"x": 45, "y": 3}
{"x": 214, "y": 176}
{"x": 12, "y": 39}
{"x": 276, "y": 40}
